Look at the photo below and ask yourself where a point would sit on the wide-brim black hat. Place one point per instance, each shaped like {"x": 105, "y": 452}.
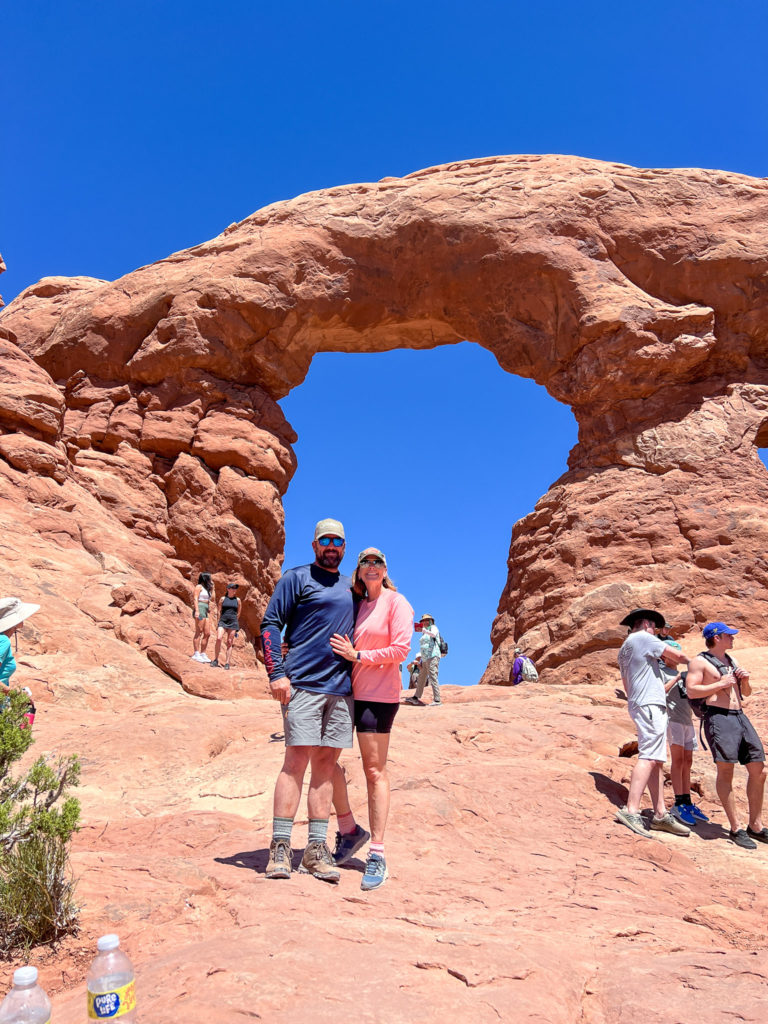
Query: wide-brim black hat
{"x": 644, "y": 613}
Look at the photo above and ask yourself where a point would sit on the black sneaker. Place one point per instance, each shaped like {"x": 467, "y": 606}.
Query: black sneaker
{"x": 740, "y": 838}
{"x": 348, "y": 845}
{"x": 214, "y": 663}
{"x": 226, "y": 667}
{"x": 761, "y": 836}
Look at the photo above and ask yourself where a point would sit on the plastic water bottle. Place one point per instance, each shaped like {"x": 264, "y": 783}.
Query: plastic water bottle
{"x": 111, "y": 983}
{"x": 26, "y": 1003}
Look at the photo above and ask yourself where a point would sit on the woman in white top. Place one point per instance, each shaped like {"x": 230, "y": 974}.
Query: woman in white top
{"x": 202, "y": 600}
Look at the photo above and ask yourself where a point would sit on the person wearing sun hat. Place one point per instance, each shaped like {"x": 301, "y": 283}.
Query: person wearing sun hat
{"x": 647, "y": 705}
{"x": 716, "y": 677}
{"x": 429, "y": 649}
{"x": 13, "y": 611}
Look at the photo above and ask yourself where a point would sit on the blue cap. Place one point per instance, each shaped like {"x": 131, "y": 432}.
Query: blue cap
{"x": 713, "y": 629}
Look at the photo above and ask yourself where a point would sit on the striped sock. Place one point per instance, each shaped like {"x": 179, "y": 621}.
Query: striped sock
{"x": 281, "y": 828}
{"x": 318, "y": 830}
{"x": 377, "y": 848}
{"x": 346, "y": 823}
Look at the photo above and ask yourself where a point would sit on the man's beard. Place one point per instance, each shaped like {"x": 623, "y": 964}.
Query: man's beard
{"x": 330, "y": 558}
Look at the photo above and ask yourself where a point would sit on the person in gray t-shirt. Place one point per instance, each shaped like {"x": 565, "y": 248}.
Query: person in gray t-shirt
{"x": 639, "y": 662}
{"x": 682, "y": 743}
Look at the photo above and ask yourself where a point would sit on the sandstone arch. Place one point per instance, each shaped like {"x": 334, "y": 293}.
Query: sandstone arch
{"x": 638, "y": 297}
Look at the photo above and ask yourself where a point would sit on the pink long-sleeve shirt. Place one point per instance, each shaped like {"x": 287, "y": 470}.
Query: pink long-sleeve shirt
{"x": 383, "y": 631}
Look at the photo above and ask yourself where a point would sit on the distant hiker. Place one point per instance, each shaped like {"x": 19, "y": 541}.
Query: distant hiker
{"x": 29, "y": 714}
{"x": 13, "y": 612}
{"x": 429, "y": 649}
{"x": 681, "y": 734}
{"x": 413, "y": 667}
{"x": 640, "y": 673}
{"x": 202, "y": 601}
{"x": 715, "y": 677}
{"x": 229, "y": 623}
{"x": 314, "y": 688}
{"x": 523, "y": 669}
{"x": 382, "y": 637}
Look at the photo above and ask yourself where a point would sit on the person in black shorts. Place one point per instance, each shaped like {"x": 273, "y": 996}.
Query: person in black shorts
{"x": 379, "y": 645}
{"x": 229, "y": 624}
{"x": 715, "y": 677}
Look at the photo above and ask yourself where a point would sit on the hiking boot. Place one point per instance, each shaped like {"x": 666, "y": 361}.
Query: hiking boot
{"x": 740, "y": 838}
{"x": 684, "y": 813}
{"x": 668, "y": 824}
{"x": 348, "y": 845}
{"x": 279, "y": 863}
{"x": 317, "y": 861}
{"x": 697, "y": 812}
{"x": 375, "y": 874}
{"x": 633, "y": 821}
{"x": 761, "y": 836}
{"x": 214, "y": 663}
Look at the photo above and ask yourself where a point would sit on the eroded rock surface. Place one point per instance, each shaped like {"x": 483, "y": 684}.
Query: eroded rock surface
{"x": 636, "y": 296}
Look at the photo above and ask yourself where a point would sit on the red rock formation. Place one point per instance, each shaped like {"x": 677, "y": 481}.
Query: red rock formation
{"x": 636, "y": 296}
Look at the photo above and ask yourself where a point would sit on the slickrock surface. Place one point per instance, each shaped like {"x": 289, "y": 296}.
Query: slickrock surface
{"x": 513, "y": 896}
{"x": 636, "y": 296}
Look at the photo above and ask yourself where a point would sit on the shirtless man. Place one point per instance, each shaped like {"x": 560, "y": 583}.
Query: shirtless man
{"x": 730, "y": 734}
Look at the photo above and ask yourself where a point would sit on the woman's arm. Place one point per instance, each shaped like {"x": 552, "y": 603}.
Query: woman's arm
{"x": 400, "y": 633}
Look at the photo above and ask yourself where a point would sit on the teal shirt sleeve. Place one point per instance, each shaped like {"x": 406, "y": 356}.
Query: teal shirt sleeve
{"x": 7, "y": 662}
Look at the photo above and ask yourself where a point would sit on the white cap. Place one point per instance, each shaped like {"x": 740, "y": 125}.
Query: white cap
{"x": 108, "y": 942}
{"x": 25, "y": 976}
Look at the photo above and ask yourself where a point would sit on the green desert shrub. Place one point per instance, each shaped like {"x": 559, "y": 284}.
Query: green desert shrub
{"x": 38, "y": 818}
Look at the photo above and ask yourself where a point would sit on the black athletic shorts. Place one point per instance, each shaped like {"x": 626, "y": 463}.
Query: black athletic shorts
{"x": 374, "y": 716}
{"x": 732, "y": 737}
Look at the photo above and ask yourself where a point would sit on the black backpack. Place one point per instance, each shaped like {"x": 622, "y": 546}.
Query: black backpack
{"x": 443, "y": 646}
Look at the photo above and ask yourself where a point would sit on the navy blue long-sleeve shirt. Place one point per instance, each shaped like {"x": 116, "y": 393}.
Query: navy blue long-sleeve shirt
{"x": 310, "y": 604}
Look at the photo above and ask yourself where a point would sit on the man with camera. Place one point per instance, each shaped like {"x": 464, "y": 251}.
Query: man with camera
{"x": 715, "y": 677}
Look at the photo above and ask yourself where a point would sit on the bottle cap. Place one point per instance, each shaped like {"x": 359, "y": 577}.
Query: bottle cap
{"x": 108, "y": 942}
{"x": 25, "y": 976}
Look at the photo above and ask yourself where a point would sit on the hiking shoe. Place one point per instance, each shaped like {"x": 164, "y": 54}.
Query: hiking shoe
{"x": 415, "y": 701}
{"x": 697, "y": 812}
{"x": 684, "y": 813}
{"x": 196, "y": 656}
{"x": 740, "y": 838}
{"x": 633, "y": 821}
{"x": 317, "y": 861}
{"x": 226, "y": 667}
{"x": 761, "y": 836}
{"x": 668, "y": 824}
{"x": 204, "y": 657}
{"x": 214, "y": 663}
{"x": 348, "y": 845}
{"x": 279, "y": 863}
{"x": 375, "y": 874}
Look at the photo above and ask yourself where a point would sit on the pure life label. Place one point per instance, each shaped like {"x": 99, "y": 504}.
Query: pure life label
{"x": 109, "y": 1005}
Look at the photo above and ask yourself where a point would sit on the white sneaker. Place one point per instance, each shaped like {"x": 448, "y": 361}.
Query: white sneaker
{"x": 197, "y": 656}
{"x": 204, "y": 658}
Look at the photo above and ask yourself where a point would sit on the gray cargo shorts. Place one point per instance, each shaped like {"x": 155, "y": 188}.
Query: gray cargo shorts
{"x": 318, "y": 720}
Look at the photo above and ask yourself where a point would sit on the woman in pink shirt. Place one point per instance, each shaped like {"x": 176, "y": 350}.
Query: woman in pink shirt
{"x": 381, "y": 641}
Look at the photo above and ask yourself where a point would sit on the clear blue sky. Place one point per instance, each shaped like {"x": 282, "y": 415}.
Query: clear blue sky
{"x": 132, "y": 130}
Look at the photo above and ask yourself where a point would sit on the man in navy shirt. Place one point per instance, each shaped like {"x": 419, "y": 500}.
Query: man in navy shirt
{"x": 314, "y": 687}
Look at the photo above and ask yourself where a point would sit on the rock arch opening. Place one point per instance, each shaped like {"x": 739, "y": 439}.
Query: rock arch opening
{"x": 432, "y": 456}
